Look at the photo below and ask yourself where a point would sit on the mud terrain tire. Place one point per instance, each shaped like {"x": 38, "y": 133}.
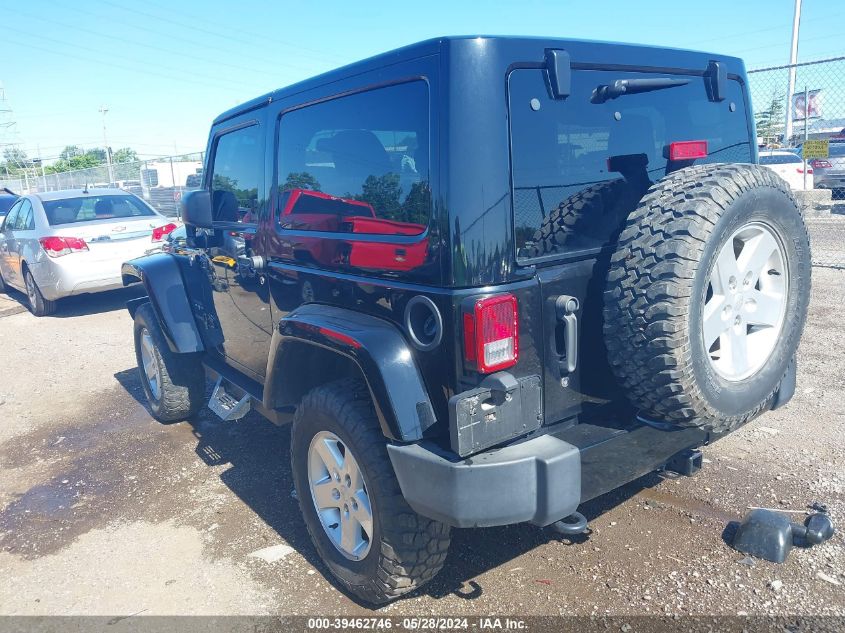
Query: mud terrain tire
{"x": 180, "y": 391}
{"x": 406, "y": 549}
{"x": 661, "y": 278}
{"x": 588, "y": 217}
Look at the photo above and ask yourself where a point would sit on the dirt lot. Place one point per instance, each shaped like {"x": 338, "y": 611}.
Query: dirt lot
{"x": 105, "y": 511}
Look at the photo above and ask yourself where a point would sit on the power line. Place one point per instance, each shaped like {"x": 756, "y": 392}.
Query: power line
{"x": 75, "y": 45}
{"x": 216, "y": 32}
{"x": 803, "y": 40}
{"x": 316, "y": 54}
{"x": 29, "y": 45}
{"x": 202, "y": 45}
{"x": 826, "y": 17}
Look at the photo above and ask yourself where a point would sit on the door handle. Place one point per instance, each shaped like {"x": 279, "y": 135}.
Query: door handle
{"x": 566, "y": 307}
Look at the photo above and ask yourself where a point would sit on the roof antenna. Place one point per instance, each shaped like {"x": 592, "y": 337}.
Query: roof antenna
{"x": 85, "y": 188}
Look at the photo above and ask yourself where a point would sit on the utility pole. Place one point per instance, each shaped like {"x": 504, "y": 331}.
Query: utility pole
{"x": 793, "y": 59}
{"x": 806, "y": 129}
{"x": 41, "y": 162}
{"x": 103, "y": 110}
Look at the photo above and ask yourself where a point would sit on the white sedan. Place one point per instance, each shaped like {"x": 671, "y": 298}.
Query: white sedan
{"x": 789, "y": 166}
{"x": 63, "y": 243}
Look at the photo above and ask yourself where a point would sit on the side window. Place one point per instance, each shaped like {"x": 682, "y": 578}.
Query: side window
{"x": 9, "y": 222}
{"x": 357, "y": 164}
{"x": 237, "y": 175}
{"x": 25, "y": 221}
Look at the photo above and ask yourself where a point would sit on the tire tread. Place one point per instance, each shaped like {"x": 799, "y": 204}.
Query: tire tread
{"x": 649, "y": 289}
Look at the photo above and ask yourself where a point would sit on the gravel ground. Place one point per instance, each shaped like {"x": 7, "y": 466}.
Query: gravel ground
{"x": 827, "y": 236}
{"x": 104, "y": 511}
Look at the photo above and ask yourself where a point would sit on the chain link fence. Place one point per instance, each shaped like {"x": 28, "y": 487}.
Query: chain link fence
{"x": 160, "y": 181}
{"x": 815, "y": 111}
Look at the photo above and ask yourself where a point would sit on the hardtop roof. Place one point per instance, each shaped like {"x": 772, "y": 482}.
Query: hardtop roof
{"x": 620, "y": 52}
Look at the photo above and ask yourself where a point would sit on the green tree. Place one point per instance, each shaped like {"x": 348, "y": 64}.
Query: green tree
{"x": 770, "y": 120}
{"x": 17, "y": 157}
{"x": 125, "y": 155}
{"x": 383, "y": 194}
{"x": 92, "y": 158}
{"x": 418, "y": 203}
{"x": 97, "y": 154}
{"x": 247, "y": 198}
{"x": 70, "y": 151}
{"x": 301, "y": 180}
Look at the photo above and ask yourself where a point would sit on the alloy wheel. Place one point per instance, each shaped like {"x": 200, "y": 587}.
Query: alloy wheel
{"x": 745, "y": 305}
{"x": 150, "y": 366}
{"x": 340, "y": 495}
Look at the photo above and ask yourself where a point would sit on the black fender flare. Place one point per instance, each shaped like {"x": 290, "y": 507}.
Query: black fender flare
{"x": 376, "y": 346}
{"x": 166, "y": 292}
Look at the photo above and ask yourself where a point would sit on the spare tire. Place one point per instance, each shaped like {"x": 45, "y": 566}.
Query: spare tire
{"x": 588, "y": 218}
{"x": 707, "y": 295}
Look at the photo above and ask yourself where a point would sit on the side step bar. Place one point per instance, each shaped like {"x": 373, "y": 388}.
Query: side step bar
{"x": 232, "y": 383}
{"x": 226, "y": 406}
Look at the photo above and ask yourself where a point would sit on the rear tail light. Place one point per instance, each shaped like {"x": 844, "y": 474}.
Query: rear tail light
{"x": 800, "y": 170}
{"x": 818, "y": 163}
{"x": 491, "y": 333}
{"x": 161, "y": 231}
{"x": 687, "y": 150}
{"x": 58, "y": 246}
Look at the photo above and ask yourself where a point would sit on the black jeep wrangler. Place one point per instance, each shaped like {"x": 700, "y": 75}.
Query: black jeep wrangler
{"x": 486, "y": 279}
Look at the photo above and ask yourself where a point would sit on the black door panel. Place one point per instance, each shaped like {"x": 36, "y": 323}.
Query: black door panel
{"x": 240, "y": 293}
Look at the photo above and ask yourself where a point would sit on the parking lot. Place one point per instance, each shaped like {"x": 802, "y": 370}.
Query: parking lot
{"x": 105, "y": 511}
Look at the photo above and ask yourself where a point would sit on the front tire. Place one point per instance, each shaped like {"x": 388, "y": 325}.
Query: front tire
{"x": 381, "y": 553}
{"x": 173, "y": 383}
{"x": 38, "y": 305}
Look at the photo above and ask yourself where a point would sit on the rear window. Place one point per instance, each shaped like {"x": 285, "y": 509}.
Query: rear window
{"x": 779, "y": 159}
{"x": 368, "y": 153}
{"x": 837, "y": 149}
{"x": 596, "y": 156}
{"x": 87, "y": 208}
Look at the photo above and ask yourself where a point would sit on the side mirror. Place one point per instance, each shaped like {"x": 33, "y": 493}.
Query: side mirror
{"x": 196, "y": 209}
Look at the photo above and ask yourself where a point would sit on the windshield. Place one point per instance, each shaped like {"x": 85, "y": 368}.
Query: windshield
{"x": 87, "y": 208}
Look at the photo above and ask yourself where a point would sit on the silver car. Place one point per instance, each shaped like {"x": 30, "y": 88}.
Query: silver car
{"x": 63, "y": 243}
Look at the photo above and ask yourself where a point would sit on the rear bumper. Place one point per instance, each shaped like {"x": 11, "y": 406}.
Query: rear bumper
{"x": 538, "y": 480}
{"x": 76, "y": 274}
{"x": 56, "y": 280}
{"x": 830, "y": 181}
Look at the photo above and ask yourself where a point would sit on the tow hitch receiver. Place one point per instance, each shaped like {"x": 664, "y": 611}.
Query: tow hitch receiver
{"x": 686, "y": 462}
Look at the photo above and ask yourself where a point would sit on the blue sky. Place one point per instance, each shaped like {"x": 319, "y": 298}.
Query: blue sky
{"x": 165, "y": 68}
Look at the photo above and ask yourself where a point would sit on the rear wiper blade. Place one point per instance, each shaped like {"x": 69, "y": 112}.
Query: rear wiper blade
{"x": 622, "y": 87}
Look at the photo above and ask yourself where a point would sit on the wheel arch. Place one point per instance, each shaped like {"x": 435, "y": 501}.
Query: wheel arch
{"x": 166, "y": 293}
{"x": 317, "y": 344}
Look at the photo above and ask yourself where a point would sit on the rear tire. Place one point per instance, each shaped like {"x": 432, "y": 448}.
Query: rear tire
{"x": 38, "y": 305}
{"x": 404, "y": 550}
{"x": 173, "y": 383}
{"x": 707, "y": 295}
